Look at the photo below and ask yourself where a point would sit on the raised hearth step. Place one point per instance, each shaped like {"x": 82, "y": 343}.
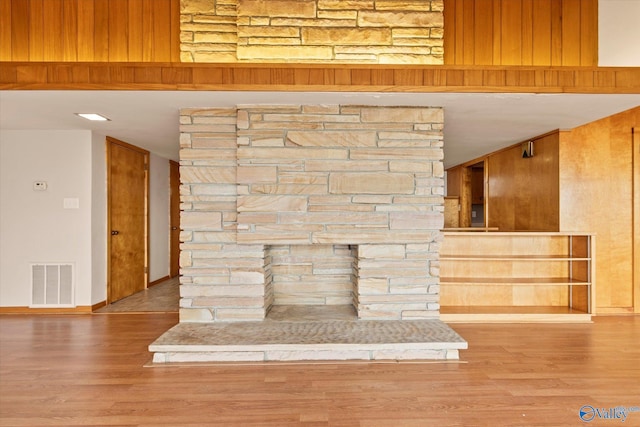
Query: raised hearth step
{"x": 308, "y": 340}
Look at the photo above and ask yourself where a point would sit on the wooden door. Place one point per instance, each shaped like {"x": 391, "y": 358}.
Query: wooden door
{"x": 174, "y": 180}
{"x": 128, "y": 188}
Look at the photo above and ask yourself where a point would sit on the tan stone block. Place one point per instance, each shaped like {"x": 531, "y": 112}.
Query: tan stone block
{"x": 333, "y": 218}
{"x": 371, "y": 183}
{"x": 186, "y": 36}
{"x": 280, "y": 228}
{"x": 373, "y": 285}
{"x": 381, "y": 251}
{"x": 346, "y": 36}
{"x": 221, "y": 302}
{"x": 397, "y": 153}
{"x": 185, "y": 259}
{"x": 257, "y": 174}
{"x": 203, "y": 27}
{"x": 437, "y": 33}
{"x": 416, "y": 220}
{"x": 266, "y": 31}
{"x": 373, "y": 199}
{"x": 347, "y": 208}
{"x": 271, "y": 41}
{"x": 272, "y": 203}
{"x": 400, "y": 19}
{"x": 247, "y": 277}
{"x": 288, "y": 189}
{"x": 228, "y": 22}
{"x": 240, "y": 314}
{"x": 338, "y": 14}
{"x": 291, "y": 153}
{"x": 190, "y": 315}
{"x": 402, "y": 114}
{"x": 201, "y": 220}
{"x": 267, "y": 142}
{"x": 278, "y": 238}
{"x": 214, "y": 237}
{"x": 197, "y": 6}
{"x": 403, "y": 41}
{"x": 398, "y": 299}
{"x": 410, "y": 166}
{"x": 317, "y": 22}
{"x": 414, "y": 33}
{"x": 315, "y": 178}
{"x": 284, "y": 52}
{"x": 348, "y": 165}
{"x": 190, "y": 174}
{"x": 217, "y": 37}
{"x": 228, "y": 291}
{"x": 345, "y": 4}
{"x": 332, "y": 138}
{"x": 213, "y": 189}
{"x": 257, "y": 218}
{"x": 403, "y": 5}
{"x": 273, "y": 8}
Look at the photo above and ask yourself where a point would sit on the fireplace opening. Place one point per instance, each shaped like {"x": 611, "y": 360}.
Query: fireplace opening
{"x": 311, "y": 281}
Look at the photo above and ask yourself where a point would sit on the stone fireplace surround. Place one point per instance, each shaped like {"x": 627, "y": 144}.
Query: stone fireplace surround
{"x": 310, "y": 205}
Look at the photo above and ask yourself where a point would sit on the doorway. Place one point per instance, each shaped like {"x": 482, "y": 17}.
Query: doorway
{"x": 127, "y": 219}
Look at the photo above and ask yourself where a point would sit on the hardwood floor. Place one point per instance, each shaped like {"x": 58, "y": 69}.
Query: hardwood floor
{"x": 88, "y": 370}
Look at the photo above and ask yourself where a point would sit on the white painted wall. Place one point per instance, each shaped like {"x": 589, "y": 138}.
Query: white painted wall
{"x": 34, "y": 225}
{"x": 158, "y": 217}
{"x": 619, "y": 33}
{"x": 98, "y": 218}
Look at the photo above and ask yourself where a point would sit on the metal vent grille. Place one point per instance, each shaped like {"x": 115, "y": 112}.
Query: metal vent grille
{"x": 52, "y": 285}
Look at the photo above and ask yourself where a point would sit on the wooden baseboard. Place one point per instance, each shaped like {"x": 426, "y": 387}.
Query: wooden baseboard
{"x": 98, "y": 305}
{"x": 82, "y": 309}
{"x": 610, "y": 311}
{"x": 160, "y": 280}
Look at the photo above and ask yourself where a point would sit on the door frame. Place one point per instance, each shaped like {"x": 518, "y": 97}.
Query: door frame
{"x": 174, "y": 238}
{"x": 109, "y": 142}
{"x": 635, "y": 144}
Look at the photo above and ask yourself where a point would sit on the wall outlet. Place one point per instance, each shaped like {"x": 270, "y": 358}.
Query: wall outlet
{"x": 39, "y": 185}
{"x": 473, "y": 214}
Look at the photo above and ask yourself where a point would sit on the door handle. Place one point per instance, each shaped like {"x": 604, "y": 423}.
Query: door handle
{"x": 114, "y": 232}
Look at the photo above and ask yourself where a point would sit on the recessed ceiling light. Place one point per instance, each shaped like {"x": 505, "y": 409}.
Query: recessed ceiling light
{"x": 93, "y": 117}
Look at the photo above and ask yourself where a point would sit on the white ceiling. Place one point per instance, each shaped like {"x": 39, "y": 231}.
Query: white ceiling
{"x": 475, "y": 123}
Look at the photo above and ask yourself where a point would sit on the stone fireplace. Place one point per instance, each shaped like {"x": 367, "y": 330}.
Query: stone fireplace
{"x": 310, "y": 205}
{"x": 309, "y": 209}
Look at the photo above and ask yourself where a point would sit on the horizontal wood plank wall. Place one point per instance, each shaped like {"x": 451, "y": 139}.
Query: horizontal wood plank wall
{"x": 521, "y": 32}
{"x": 90, "y": 30}
{"x": 175, "y": 76}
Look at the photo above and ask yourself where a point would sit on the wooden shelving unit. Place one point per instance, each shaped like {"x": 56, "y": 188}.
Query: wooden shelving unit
{"x": 517, "y": 277}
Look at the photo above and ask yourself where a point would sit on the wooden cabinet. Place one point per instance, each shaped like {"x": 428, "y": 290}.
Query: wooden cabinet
{"x": 517, "y": 276}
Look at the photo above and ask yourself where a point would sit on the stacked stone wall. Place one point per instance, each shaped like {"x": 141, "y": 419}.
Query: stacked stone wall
{"x": 265, "y": 182}
{"x": 366, "y": 31}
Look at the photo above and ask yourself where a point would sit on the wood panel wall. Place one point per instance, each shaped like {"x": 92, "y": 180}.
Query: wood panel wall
{"x": 90, "y": 30}
{"x": 477, "y": 32}
{"x": 523, "y": 194}
{"x": 521, "y": 32}
{"x": 597, "y": 195}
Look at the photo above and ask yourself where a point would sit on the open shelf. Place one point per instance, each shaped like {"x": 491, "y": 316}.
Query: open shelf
{"x": 521, "y": 276}
{"x": 511, "y": 314}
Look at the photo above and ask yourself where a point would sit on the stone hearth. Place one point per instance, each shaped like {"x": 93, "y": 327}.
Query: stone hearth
{"x": 291, "y": 333}
{"x": 311, "y": 206}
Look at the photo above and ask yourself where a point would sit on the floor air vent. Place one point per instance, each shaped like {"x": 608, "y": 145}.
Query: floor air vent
{"x": 52, "y": 285}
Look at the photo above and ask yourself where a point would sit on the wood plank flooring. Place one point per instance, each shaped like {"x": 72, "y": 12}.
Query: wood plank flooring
{"x": 89, "y": 370}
